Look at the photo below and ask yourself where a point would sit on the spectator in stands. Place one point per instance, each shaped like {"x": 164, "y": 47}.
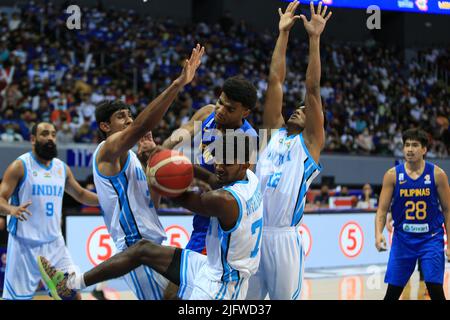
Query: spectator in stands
{"x": 365, "y": 141}
{"x": 322, "y": 200}
{"x": 64, "y": 134}
{"x": 344, "y": 192}
{"x": 367, "y": 200}
{"x": 10, "y": 134}
{"x": 366, "y": 89}
{"x": 86, "y": 132}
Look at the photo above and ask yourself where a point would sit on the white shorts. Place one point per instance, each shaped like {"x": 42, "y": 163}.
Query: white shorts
{"x": 280, "y": 272}
{"x": 196, "y": 285}
{"x": 146, "y": 283}
{"x": 22, "y": 274}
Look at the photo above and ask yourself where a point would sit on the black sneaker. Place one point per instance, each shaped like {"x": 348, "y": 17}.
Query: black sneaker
{"x": 98, "y": 294}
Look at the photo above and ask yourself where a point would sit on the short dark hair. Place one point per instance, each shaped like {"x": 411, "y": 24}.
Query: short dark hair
{"x": 36, "y": 125}
{"x": 105, "y": 109}
{"x": 416, "y": 135}
{"x": 240, "y": 90}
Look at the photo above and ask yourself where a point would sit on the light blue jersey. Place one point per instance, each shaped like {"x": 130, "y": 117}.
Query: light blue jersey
{"x": 130, "y": 216}
{"x": 285, "y": 170}
{"x": 41, "y": 234}
{"x": 233, "y": 255}
{"x": 127, "y": 207}
{"x": 44, "y": 187}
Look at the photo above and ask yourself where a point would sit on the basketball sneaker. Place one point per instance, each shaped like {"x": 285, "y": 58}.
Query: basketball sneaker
{"x": 55, "y": 280}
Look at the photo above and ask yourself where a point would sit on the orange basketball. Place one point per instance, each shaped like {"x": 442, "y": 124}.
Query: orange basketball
{"x": 170, "y": 173}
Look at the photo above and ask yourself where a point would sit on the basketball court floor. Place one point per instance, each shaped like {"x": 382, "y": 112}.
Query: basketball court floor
{"x": 358, "y": 283}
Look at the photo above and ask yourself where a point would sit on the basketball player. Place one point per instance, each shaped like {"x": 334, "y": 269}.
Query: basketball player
{"x": 232, "y": 241}
{"x": 120, "y": 180}
{"x": 35, "y": 182}
{"x": 417, "y": 190}
{"x": 237, "y": 100}
{"x": 145, "y": 146}
{"x": 288, "y": 164}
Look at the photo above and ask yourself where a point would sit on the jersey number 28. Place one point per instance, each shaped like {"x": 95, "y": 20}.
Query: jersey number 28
{"x": 416, "y": 210}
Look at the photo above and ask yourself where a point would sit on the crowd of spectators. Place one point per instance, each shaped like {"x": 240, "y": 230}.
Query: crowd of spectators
{"x": 51, "y": 73}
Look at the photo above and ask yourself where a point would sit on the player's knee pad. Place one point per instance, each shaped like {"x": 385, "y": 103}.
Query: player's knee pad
{"x": 173, "y": 271}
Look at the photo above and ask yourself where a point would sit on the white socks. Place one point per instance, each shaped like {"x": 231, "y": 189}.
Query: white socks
{"x": 76, "y": 281}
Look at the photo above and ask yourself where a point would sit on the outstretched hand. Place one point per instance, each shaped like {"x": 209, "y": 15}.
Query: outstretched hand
{"x": 21, "y": 212}
{"x": 316, "y": 25}
{"x": 288, "y": 18}
{"x": 191, "y": 65}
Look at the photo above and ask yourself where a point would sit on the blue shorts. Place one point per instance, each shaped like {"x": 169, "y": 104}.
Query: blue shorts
{"x": 407, "y": 249}
{"x": 197, "y": 242}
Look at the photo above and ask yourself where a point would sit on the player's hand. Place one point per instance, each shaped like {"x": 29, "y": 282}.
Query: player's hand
{"x": 390, "y": 226}
{"x": 154, "y": 151}
{"x": 203, "y": 186}
{"x": 191, "y": 65}
{"x": 288, "y": 18}
{"x": 21, "y": 212}
{"x": 448, "y": 253}
{"x": 146, "y": 143}
{"x": 316, "y": 25}
{"x": 380, "y": 242}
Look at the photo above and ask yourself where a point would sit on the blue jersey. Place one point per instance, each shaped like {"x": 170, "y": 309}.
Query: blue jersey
{"x": 418, "y": 232}
{"x": 415, "y": 205}
{"x": 206, "y": 160}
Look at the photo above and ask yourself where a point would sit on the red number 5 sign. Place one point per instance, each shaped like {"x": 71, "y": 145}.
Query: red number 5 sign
{"x": 100, "y": 246}
{"x": 351, "y": 239}
{"x": 177, "y": 236}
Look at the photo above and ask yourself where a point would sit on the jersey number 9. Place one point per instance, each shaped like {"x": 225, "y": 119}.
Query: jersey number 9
{"x": 49, "y": 209}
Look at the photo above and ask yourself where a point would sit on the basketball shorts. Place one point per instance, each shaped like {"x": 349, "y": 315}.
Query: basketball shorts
{"x": 407, "y": 249}
{"x": 280, "y": 272}
{"x": 197, "y": 242}
{"x": 22, "y": 274}
{"x": 195, "y": 283}
{"x": 146, "y": 283}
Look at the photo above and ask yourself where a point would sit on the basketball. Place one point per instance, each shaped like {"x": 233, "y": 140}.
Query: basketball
{"x": 170, "y": 173}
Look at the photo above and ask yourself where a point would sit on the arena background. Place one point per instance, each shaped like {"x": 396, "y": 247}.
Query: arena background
{"x": 410, "y": 53}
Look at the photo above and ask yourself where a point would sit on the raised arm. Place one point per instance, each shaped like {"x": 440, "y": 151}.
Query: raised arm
{"x": 383, "y": 207}
{"x": 216, "y": 203}
{"x": 273, "y": 105}
{"x": 79, "y": 193}
{"x": 187, "y": 130}
{"x": 120, "y": 142}
{"x": 11, "y": 179}
{"x": 314, "y": 132}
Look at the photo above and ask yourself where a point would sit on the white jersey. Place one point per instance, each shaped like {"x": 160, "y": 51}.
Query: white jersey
{"x": 44, "y": 187}
{"x": 235, "y": 254}
{"x": 128, "y": 210}
{"x": 285, "y": 170}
